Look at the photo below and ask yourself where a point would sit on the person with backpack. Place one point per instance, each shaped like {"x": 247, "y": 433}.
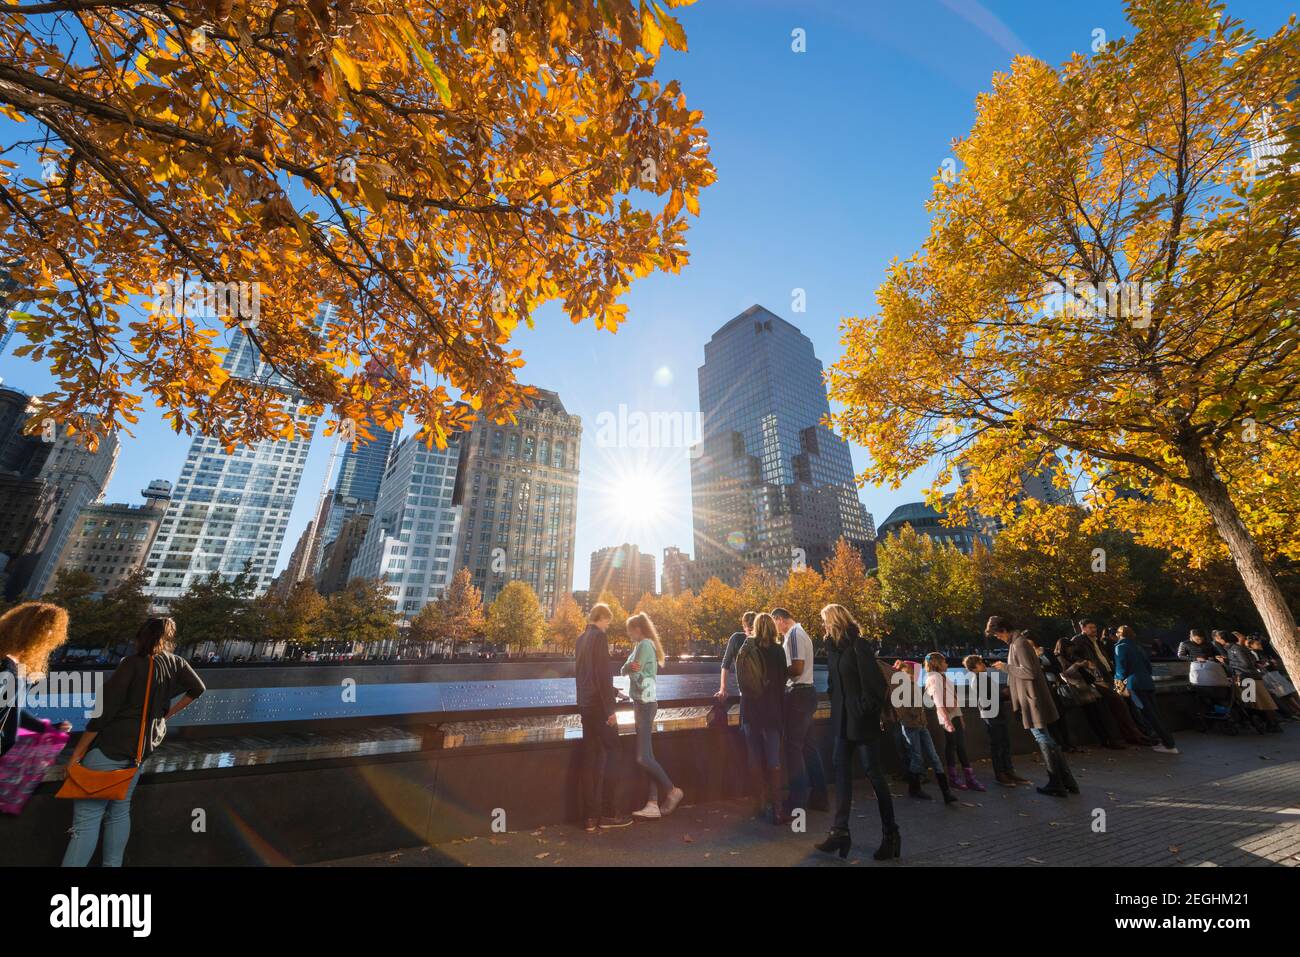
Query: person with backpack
{"x": 910, "y": 712}
{"x": 760, "y": 672}
{"x": 858, "y": 694}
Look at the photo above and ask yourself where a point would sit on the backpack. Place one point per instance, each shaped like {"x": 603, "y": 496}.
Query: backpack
{"x": 751, "y": 669}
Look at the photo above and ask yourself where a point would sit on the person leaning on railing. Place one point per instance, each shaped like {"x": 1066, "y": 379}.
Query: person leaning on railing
{"x": 154, "y": 673}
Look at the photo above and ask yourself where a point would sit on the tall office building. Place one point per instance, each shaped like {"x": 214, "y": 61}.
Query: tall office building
{"x": 360, "y": 474}
{"x": 770, "y": 484}
{"x": 679, "y": 572}
{"x": 230, "y": 510}
{"x": 111, "y": 541}
{"x": 46, "y": 478}
{"x": 624, "y": 571}
{"x": 517, "y": 486}
{"x": 410, "y": 542}
{"x": 336, "y": 559}
{"x": 25, "y": 501}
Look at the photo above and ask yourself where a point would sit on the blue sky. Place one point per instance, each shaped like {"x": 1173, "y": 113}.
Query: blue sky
{"x": 824, "y": 159}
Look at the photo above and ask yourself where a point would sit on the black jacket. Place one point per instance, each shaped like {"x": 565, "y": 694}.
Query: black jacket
{"x": 592, "y": 673}
{"x": 13, "y": 717}
{"x": 118, "y": 724}
{"x": 857, "y": 688}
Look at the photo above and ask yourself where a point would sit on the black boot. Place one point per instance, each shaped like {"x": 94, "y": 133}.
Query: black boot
{"x": 891, "y": 844}
{"x": 837, "y": 842}
{"x": 1053, "y": 788}
{"x": 914, "y": 787}
{"x": 1063, "y": 776}
{"x": 948, "y": 796}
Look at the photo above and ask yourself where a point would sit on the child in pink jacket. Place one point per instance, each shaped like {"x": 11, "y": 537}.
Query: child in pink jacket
{"x": 944, "y": 694}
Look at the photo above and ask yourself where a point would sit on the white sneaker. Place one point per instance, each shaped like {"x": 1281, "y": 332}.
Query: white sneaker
{"x": 650, "y": 812}
{"x": 1161, "y": 749}
{"x": 674, "y": 798}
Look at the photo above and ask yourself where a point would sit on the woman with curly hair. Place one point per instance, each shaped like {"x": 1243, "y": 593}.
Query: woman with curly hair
{"x": 29, "y": 633}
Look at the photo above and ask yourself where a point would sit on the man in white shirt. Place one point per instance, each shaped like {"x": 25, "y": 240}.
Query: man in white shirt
{"x": 807, "y": 776}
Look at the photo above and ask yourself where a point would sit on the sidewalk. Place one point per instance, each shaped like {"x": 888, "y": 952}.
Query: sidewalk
{"x": 1222, "y": 802}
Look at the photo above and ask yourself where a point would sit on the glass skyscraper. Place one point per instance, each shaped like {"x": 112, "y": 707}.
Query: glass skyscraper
{"x": 411, "y": 540}
{"x": 771, "y": 485}
{"x": 231, "y": 509}
{"x": 360, "y": 473}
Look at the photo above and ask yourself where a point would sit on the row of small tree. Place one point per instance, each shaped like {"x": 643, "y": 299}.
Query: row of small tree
{"x": 922, "y": 593}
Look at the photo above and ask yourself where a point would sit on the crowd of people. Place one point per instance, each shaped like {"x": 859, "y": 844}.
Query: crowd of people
{"x": 1105, "y": 673}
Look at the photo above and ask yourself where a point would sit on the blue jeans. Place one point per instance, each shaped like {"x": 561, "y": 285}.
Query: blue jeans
{"x": 644, "y": 712}
{"x": 802, "y": 762}
{"x": 87, "y": 815}
{"x": 921, "y": 750}
{"x": 869, "y": 752}
{"x": 764, "y": 747}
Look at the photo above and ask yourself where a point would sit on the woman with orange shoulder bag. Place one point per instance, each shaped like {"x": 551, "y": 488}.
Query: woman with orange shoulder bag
{"x": 137, "y": 701}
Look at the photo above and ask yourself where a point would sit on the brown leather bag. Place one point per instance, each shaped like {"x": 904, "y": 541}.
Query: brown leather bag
{"x": 83, "y": 783}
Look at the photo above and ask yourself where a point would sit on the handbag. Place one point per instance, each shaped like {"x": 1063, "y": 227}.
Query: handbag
{"x": 83, "y": 783}
{"x": 1121, "y": 688}
{"x": 22, "y": 767}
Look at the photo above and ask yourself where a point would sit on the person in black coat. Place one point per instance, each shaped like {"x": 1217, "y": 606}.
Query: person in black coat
{"x": 858, "y": 694}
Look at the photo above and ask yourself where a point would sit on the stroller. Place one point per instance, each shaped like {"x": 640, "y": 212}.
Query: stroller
{"x": 1217, "y": 709}
{"x": 1217, "y": 706}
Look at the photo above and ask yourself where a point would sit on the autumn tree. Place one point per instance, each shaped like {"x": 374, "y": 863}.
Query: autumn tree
{"x": 718, "y": 608}
{"x": 296, "y": 618}
{"x": 515, "y": 618}
{"x": 929, "y": 590}
{"x": 617, "y": 631}
{"x": 456, "y": 615}
{"x": 1056, "y": 569}
{"x": 804, "y": 595}
{"x": 431, "y": 172}
{"x": 216, "y": 609}
{"x": 847, "y": 583}
{"x": 1112, "y": 277}
{"x": 674, "y": 618}
{"x": 758, "y": 590}
{"x": 359, "y": 613}
{"x": 566, "y": 624}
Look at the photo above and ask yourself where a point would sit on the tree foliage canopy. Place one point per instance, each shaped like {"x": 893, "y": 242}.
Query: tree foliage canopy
{"x": 432, "y": 172}
{"x": 1109, "y": 279}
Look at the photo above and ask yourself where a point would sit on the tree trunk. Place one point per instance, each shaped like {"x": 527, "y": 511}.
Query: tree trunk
{"x": 1247, "y": 556}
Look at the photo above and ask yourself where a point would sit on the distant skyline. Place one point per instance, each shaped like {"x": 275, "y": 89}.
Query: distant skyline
{"x": 825, "y": 160}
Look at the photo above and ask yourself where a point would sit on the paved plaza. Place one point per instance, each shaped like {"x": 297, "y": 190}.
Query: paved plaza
{"x": 1222, "y": 802}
